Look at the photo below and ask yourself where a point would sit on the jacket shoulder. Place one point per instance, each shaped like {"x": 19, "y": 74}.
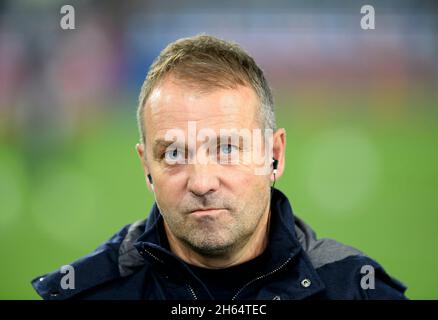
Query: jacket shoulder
{"x": 94, "y": 269}
{"x": 360, "y": 278}
{"x": 347, "y": 272}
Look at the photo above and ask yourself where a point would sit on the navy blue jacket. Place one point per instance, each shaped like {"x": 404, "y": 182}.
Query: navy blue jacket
{"x": 134, "y": 264}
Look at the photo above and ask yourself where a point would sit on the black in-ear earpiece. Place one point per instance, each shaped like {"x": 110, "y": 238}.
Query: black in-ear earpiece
{"x": 274, "y": 167}
{"x": 150, "y": 179}
{"x": 274, "y": 164}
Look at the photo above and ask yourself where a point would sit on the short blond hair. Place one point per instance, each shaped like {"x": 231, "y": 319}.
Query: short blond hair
{"x": 208, "y": 63}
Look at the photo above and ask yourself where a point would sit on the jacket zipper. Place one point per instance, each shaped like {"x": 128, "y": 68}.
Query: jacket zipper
{"x": 261, "y": 277}
{"x": 192, "y": 292}
{"x": 153, "y": 256}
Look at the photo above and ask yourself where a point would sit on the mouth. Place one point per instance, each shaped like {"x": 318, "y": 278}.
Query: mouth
{"x": 207, "y": 212}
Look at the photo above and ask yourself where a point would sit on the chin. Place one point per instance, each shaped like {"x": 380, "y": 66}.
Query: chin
{"x": 211, "y": 248}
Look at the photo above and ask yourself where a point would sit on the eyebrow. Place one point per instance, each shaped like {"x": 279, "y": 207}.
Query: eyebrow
{"x": 160, "y": 145}
{"x": 230, "y": 137}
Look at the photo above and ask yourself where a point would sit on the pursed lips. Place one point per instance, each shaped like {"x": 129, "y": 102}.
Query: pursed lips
{"x": 206, "y": 211}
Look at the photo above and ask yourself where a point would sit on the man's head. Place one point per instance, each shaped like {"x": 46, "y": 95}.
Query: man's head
{"x": 205, "y": 85}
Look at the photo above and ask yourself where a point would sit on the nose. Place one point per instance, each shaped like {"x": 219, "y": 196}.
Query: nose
{"x": 203, "y": 179}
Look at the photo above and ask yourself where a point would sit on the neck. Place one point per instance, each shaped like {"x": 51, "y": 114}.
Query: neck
{"x": 251, "y": 248}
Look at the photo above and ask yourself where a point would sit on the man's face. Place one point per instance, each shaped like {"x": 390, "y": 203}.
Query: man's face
{"x": 210, "y": 206}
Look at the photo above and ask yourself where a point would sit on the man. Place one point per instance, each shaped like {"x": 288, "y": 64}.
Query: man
{"x": 217, "y": 230}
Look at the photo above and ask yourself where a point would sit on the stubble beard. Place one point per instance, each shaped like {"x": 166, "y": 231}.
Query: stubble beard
{"x": 220, "y": 238}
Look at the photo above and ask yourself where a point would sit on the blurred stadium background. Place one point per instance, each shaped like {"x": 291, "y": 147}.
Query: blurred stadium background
{"x": 360, "y": 110}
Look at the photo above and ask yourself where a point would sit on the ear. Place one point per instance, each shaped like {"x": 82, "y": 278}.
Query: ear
{"x": 141, "y": 154}
{"x": 279, "y": 151}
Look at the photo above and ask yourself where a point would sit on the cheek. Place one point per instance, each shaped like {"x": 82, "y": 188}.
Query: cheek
{"x": 246, "y": 183}
{"x": 169, "y": 191}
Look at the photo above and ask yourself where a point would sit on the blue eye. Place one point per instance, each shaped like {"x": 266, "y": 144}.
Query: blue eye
{"x": 173, "y": 155}
{"x": 228, "y": 148}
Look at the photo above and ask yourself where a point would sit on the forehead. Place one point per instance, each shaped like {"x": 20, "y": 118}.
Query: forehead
{"x": 172, "y": 105}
